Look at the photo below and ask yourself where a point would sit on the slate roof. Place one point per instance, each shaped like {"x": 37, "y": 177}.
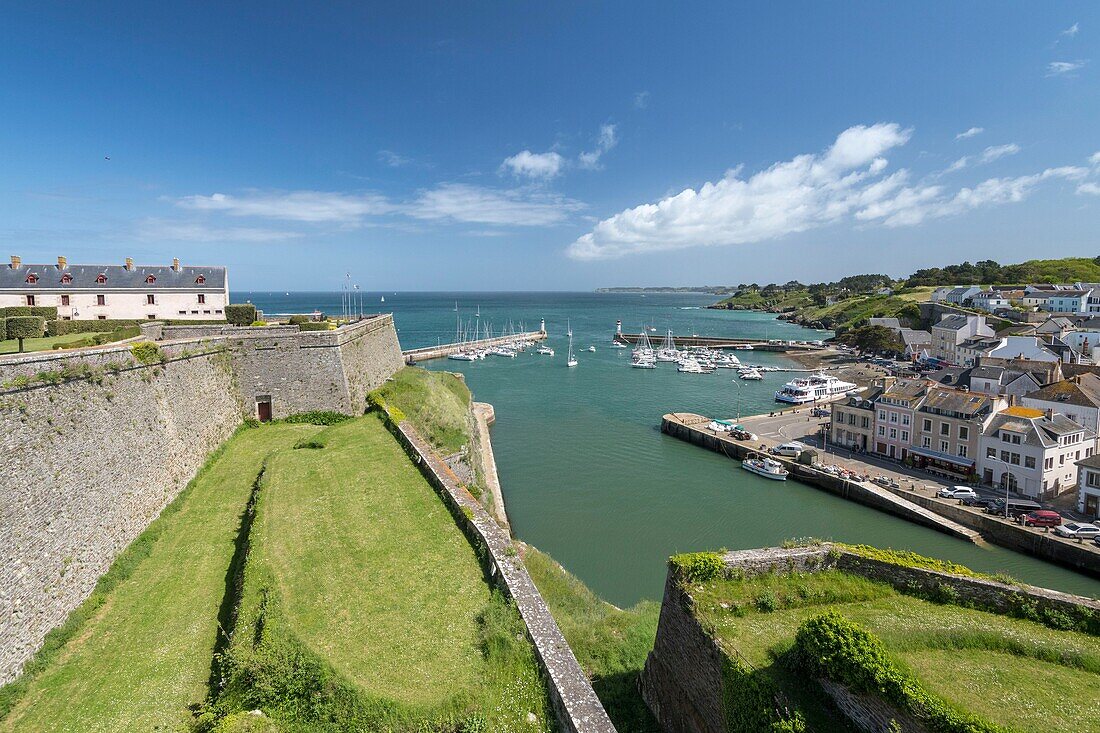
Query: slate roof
{"x": 913, "y": 337}
{"x": 118, "y": 277}
{"x": 987, "y": 372}
{"x": 951, "y": 375}
{"x": 1040, "y": 430}
{"x": 906, "y": 389}
{"x": 952, "y": 400}
{"x": 953, "y": 322}
{"x": 1083, "y": 391}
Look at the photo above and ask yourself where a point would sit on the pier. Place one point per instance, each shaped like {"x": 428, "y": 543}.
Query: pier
{"x": 412, "y": 356}
{"x": 718, "y": 342}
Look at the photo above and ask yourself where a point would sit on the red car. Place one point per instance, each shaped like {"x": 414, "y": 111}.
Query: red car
{"x": 1041, "y": 518}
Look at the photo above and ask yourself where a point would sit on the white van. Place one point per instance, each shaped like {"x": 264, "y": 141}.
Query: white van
{"x": 793, "y": 450}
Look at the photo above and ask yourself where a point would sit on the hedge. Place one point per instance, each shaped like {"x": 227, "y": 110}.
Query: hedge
{"x": 240, "y": 314}
{"x": 15, "y": 310}
{"x": 314, "y": 326}
{"x": 62, "y": 328}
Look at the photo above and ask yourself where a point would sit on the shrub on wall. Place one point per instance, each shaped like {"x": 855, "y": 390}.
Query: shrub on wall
{"x": 25, "y": 327}
{"x": 240, "y": 314}
{"x": 258, "y": 323}
{"x": 146, "y": 352}
{"x": 298, "y": 319}
{"x": 698, "y": 567}
{"x": 314, "y": 326}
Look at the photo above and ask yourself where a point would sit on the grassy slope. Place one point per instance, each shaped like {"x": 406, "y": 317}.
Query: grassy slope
{"x": 435, "y": 402}
{"x": 375, "y": 577}
{"x": 611, "y": 644}
{"x": 144, "y": 655}
{"x": 959, "y": 654}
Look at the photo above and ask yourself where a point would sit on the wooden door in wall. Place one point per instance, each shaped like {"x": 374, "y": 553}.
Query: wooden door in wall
{"x": 263, "y": 410}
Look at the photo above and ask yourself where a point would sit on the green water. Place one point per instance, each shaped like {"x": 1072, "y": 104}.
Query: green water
{"x": 588, "y": 477}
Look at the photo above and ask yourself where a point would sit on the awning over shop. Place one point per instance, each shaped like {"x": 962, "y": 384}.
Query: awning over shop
{"x": 945, "y": 457}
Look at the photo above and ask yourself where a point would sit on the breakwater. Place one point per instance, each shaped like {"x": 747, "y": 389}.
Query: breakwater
{"x": 691, "y": 428}
{"x": 427, "y": 353}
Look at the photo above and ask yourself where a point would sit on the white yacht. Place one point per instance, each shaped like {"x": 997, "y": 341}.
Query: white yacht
{"x": 463, "y": 356}
{"x": 592, "y": 348}
{"x": 750, "y": 374}
{"x": 546, "y": 351}
{"x": 691, "y": 366}
{"x": 801, "y": 390}
{"x": 571, "y": 361}
{"x": 616, "y": 344}
{"x": 503, "y": 351}
{"x": 765, "y": 467}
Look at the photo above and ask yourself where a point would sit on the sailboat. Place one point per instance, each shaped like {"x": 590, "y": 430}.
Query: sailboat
{"x": 571, "y": 361}
{"x": 568, "y": 329}
{"x": 456, "y": 306}
{"x": 383, "y": 298}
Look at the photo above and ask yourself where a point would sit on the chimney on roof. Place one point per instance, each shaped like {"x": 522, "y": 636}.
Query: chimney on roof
{"x": 16, "y": 262}
{"x": 176, "y": 264}
{"x": 130, "y": 264}
{"x": 62, "y": 262}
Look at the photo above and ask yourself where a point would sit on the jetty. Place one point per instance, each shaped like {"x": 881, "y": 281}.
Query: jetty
{"x": 692, "y": 428}
{"x": 426, "y": 353}
{"x": 719, "y": 342}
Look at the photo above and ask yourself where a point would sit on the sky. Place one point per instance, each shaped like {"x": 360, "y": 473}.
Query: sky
{"x": 549, "y": 146}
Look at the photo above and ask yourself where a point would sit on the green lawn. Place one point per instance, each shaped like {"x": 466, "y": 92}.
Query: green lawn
{"x": 140, "y": 652}
{"x": 11, "y": 346}
{"x": 1016, "y": 673}
{"x": 610, "y": 643}
{"x": 437, "y": 403}
{"x": 358, "y": 568}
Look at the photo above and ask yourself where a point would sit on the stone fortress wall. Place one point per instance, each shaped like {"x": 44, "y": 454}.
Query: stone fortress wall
{"x": 93, "y": 445}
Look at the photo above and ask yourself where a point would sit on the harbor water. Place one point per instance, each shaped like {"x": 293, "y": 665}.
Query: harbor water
{"x": 586, "y": 474}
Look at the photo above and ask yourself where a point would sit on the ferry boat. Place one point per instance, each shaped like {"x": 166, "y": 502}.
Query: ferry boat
{"x": 765, "y": 467}
{"x": 813, "y": 388}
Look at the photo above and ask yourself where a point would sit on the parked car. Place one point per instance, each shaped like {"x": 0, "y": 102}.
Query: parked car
{"x": 820, "y": 412}
{"x": 957, "y": 492}
{"x": 793, "y": 449}
{"x": 976, "y": 500}
{"x": 1078, "y": 530}
{"x": 1016, "y": 507}
{"x": 1040, "y": 518}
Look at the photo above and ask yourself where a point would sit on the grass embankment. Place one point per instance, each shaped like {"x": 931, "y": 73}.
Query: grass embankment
{"x": 138, "y": 652}
{"x": 437, "y": 403}
{"x": 365, "y": 607}
{"x": 69, "y": 340}
{"x": 1017, "y": 674}
{"x": 610, "y": 643}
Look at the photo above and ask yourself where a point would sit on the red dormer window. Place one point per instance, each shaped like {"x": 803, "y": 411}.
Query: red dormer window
{"x": 200, "y": 279}
{"x": 66, "y": 279}
{"x": 151, "y": 279}
{"x": 101, "y": 279}
{"x": 32, "y": 278}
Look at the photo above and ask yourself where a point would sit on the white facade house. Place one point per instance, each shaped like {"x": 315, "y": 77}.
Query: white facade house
{"x": 1078, "y": 398}
{"x": 1030, "y": 348}
{"x": 953, "y": 330}
{"x": 991, "y": 301}
{"x": 1067, "y": 301}
{"x": 109, "y": 292}
{"x": 1088, "y": 486}
{"x": 1028, "y": 451}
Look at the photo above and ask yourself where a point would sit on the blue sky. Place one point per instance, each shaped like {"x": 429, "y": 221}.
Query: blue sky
{"x": 549, "y": 146}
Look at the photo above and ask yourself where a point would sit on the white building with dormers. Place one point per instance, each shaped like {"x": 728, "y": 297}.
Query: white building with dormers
{"x": 125, "y": 292}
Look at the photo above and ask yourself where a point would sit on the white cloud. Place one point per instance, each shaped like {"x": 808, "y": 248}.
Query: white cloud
{"x": 910, "y": 206}
{"x": 477, "y": 205}
{"x": 305, "y": 206}
{"x": 1095, "y": 158}
{"x": 959, "y": 164}
{"x": 1072, "y": 30}
{"x": 392, "y": 159}
{"x": 1065, "y": 68}
{"x": 993, "y": 152}
{"x": 1089, "y": 188}
{"x": 806, "y": 192}
{"x": 641, "y": 100}
{"x": 973, "y": 131}
{"x": 534, "y": 165}
{"x": 605, "y": 142}
{"x": 184, "y": 231}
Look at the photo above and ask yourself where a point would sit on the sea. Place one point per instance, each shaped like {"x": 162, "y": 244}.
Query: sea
{"x": 586, "y": 474}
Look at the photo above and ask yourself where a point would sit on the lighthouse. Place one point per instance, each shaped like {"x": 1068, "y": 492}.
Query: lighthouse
{"x": 542, "y": 325}
{"x": 619, "y": 327}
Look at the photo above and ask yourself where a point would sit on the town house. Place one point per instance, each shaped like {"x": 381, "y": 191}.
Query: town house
{"x": 1032, "y": 452}
{"x": 894, "y": 411}
{"x": 947, "y": 427}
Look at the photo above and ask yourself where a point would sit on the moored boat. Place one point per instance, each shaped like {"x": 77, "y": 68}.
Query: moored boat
{"x": 766, "y": 467}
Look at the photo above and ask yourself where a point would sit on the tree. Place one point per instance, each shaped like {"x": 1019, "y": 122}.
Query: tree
{"x": 872, "y": 339}
{"x": 240, "y": 314}
{"x": 25, "y": 327}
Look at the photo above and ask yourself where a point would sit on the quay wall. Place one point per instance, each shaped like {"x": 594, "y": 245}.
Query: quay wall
{"x": 683, "y": 685}
{"x": 427, "y": 353}
{"x": 95, "y": 444}
{"x": 872, "y": 496}
{"x": 719, "y": 342}
{"x": 85, "y": 466}
{"x": 1080, "y": 556}
{"x": 576, "y": 706}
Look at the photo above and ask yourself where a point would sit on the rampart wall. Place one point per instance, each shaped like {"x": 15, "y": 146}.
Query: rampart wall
{"x": 93, "y": 444}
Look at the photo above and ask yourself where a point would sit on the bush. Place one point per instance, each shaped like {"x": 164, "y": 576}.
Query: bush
{"x": 16, "y": 310}
{"x": 62, "y": 328}
{"x": 315, "y": 326}
{"x": 298, "y": 319}
{"x": 25, "y": 327}
{"x": 146, "y": 352}
{"x": 240, "y": 314}
{"x": 317, "y": 417}
{"x": 698, "y": 567}
{"x": 46, "y": 312}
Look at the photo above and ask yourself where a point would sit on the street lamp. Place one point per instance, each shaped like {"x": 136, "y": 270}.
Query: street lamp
{"x": 1007, "y": 472}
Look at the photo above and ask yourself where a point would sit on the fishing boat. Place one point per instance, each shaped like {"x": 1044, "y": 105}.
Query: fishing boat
{"x": 813, "y": 388}
{"x": 765, "y": 467}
